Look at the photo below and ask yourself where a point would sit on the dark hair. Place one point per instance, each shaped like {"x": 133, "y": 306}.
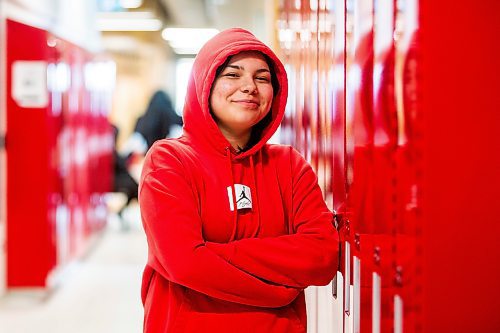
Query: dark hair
{"x": 274, "y": 80}
{"x": 258, "y": 128}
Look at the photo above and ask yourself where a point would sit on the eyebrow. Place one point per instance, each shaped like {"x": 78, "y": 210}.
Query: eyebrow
{"x": 242, "y": 68}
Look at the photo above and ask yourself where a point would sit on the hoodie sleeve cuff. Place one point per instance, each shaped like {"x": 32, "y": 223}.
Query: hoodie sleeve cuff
{"x": 223, "y": 250}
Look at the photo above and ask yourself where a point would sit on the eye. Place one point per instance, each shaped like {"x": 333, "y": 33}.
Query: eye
{"x": 263, "y": 79}
{"x": 230, "y": 74}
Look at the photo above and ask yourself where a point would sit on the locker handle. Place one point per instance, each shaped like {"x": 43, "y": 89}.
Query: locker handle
{"x": 335, "y": 278}
{"x": 336, "y": 223}
{"x": 347, "y": 279}
{"x": 344, "y": 229}
{"x": 335, "y": 291}
{"x": 339, "y": 224}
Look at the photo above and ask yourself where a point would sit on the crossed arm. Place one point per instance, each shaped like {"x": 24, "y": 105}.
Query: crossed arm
{"x": 307, "y": 256}
{"x": 266, "y": 272}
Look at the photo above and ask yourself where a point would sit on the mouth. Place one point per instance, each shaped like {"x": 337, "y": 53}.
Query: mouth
{"x": 247, "y": 103}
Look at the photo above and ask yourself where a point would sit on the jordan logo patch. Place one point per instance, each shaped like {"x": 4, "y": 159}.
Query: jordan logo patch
{"x": 243, "y": 196}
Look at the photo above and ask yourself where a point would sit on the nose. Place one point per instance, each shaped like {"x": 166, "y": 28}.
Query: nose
{"x": 248, "y": 86}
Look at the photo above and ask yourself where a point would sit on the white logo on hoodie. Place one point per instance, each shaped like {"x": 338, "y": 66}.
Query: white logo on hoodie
{"x": 243, "y": 196}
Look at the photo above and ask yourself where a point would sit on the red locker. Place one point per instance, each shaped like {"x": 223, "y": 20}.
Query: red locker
{"x": 460, "y": 165}
{"x": 307, "y": 66}
{"x": 359, "y": 158}
{"x": 337, "y": 90}
{"x": 325, "y": 100}
{"x": 384, "y": 156}
{"x": 414, "y": 171}
{"x": 59, "y": 147}
{"x": 34, "y": 193}
{"x": 407, "y": 273}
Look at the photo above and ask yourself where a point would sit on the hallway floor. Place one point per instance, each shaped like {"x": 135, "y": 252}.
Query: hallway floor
{"x": 99, "y": 294}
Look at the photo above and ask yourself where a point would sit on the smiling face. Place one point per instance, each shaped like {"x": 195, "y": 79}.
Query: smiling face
{"x": 242, "y": 95}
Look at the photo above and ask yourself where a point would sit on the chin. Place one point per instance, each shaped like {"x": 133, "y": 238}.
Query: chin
{"x": 245, "y": 124}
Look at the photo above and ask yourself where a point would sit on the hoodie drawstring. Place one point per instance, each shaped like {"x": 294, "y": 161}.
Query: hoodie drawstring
{"x": 254, "y": 196}
{"x": 233, "y": 192}
{"x": 253, "y": 190}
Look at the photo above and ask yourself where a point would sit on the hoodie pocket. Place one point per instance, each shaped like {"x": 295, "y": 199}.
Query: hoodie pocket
{"x": 182, "y": 314}
{"x": 199, "y": 312}
{"x": 294, "y": 317}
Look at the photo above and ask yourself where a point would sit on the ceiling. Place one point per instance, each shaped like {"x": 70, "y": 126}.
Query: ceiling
{"x": 220, "y": 14}
{"x": 187, "y": 13}
{"x": 254, "y": 15}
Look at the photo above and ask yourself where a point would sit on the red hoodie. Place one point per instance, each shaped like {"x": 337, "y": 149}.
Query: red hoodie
{"x": 234, "y": 238}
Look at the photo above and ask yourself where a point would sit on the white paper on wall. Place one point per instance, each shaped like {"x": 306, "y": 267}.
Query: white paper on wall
{"x": 29, "y": 84}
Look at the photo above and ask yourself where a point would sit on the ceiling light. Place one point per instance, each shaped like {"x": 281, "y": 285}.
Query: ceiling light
{"x": 187, "y": 40}
{"x": 131, "y": 3}
{"x": 128, "y": 21}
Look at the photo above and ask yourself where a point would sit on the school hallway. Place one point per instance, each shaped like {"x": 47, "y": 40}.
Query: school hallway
{"x": 100, "y": 293}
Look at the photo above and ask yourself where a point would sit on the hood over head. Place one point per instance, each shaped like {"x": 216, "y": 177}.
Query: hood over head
{"x": 198, "y": 122}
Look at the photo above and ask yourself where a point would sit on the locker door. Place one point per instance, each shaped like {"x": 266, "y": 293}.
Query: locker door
{"x": 338, "y": 108}
{"x": 359, "y": 124}
{"x": 32, "y": 193}
{"x": 384, "y": 159}
{"x": 337, "y": 89}
{"x": 325, "y": 67}
{"x": 409, "y": 185}
{"x": 460, "y": 98}
{"x": 3, "y": 172}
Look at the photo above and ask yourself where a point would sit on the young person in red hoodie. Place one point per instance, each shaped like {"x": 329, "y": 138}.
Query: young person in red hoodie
{"x": 236, "y": 227}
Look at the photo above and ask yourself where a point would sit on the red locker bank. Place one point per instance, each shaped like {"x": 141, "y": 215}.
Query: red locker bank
{"x": 58, "y": 152}
{"x": 396, "y": 104}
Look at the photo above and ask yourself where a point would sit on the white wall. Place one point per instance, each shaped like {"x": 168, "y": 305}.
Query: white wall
{"x": 72, "y": 20}
{"x": 325, "y": 314}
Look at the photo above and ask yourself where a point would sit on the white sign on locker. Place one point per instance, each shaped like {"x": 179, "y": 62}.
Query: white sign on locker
{"x": 29, "y": 84}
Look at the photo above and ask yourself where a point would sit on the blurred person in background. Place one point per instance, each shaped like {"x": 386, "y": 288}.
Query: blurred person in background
{"x": 237, "y": 228}
{"x": 158, "y": 122}
{"x": 123, "y": 182}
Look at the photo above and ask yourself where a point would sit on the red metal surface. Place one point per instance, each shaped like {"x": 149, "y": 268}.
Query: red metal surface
{"x": 337, "y": 89}
{"x": 32, "y": 194}
{"x": 385, "y": 138}
{"x": 461, "y": 166}
{"x": 59, "y": 158}
{"x": 359, "y": 157}
{"x": 417, "y": 168}
{"x": 407, "y": 279}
